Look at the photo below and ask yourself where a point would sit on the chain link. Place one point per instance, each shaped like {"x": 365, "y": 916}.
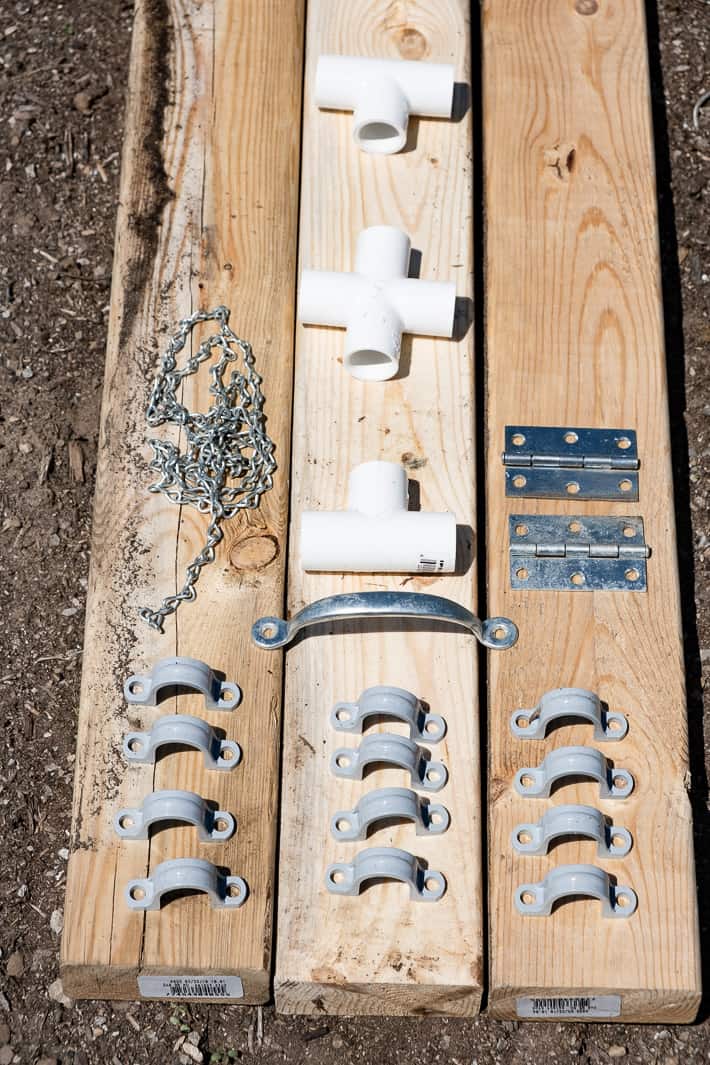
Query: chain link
{"x": 227, "y": 459}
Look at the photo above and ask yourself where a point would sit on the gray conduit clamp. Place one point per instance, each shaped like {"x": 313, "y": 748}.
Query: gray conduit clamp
{"x": 568, "y": 703}
{"x": 185, "y": 731}
{"x": 213, "y": 826}
{"x": 387, "y": 804}
{"x": 572, "y": 820}
{"x": 391, "y": 750}
{"x": 385, "y": 863}
{"x": 385, "y": 701}
{"x": 187, "y": 874}
{"x": 144, "y": 689}
{"x": 572, "y": 881}
{"x": 537, "y": 781}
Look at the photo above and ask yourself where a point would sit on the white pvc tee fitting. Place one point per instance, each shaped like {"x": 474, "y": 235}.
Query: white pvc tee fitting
{"x": 383, "y": 93}
{"x": 377, "y": 303}
{"x": 378, "y": 533}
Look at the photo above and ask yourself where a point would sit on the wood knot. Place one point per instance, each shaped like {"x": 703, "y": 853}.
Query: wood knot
{"x": 586, "y": 7}
{"x": 561, "y": 160}
{"x": 254, "y": 552}
{"x": 412, "y": 44}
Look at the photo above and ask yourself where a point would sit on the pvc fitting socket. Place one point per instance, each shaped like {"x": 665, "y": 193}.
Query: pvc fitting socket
{"x": 377, "y": 533}
{"x": 377, "y": 303}
{"x": 383, "y": 93}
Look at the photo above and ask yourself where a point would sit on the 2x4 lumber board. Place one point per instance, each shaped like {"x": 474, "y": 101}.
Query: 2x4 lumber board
{"x": 381, "y": 953}
{"x": 208, "y": 215}
{"x": 575, "y": 337}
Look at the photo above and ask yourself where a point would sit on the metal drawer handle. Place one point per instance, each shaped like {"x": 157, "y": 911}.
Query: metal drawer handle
{"x": 186, "y": 731}
{"x": 187, "y": 874}
{"x": 560, "y": 821}
{"x": 392, "y": 750}
{"x": 144, "y": 689}
{"x": 212, "y": 826}
{"x": 385, "y": 863}
{"x": 537, "y": 900}
{"x": 574, "y": 762}
{"x": 388, "y": 804}
{"x": 496, "y": 633}
{"x": 568, "y": 703}
{"x": 384, "y": 701}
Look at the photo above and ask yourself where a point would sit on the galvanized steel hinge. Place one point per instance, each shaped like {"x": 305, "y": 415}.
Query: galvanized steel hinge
{"x": 548, "y": 462}
{"x": 572, "y": 553}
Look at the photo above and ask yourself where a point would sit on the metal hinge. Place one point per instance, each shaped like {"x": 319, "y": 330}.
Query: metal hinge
{"x": 547, "y": 462}
{"x": 573, "y": 553}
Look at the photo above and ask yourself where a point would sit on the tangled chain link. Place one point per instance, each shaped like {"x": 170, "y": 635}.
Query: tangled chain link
{"x": 227, "y": 459}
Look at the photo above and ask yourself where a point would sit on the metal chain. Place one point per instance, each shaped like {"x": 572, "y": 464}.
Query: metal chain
{"x": 227, "y": 459}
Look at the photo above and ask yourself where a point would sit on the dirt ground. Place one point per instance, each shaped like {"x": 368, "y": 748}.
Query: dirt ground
{"x": 63, "y": 69}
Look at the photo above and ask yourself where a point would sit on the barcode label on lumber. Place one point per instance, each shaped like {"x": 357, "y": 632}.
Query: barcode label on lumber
{"x": 214, "y": 987}
{"x": 570, "y": 1006}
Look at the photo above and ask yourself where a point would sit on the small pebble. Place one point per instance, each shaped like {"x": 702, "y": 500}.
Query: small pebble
{"x": 56, "y": 993}
{"x": 82, "y": 103}
{"x": 15, "y": 964}
{"x": 56, "y": 921}
{"x": 4, "y": 1034}
{"x": 616, "y": 1051}
{"x": 6, "y": 1055}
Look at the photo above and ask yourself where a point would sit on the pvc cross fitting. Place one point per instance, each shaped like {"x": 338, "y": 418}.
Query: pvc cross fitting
{"x": 377, "y": 533}
{"x": 377, "y": 303}
{"x": 383, "y": 93}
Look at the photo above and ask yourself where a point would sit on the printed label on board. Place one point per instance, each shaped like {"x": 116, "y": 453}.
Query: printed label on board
{"x": 430, "y": 565}
{"x": 219, "y": 988}
{"x": 569, "y": 1006}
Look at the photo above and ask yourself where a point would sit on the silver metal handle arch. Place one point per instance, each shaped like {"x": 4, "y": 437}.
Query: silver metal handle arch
{"x": 495, "y": 633}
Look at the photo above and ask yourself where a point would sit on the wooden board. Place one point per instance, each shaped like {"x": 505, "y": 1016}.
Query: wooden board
{"x": 208, "y": 215}
{"x": 381, "y": 952}
{"x": 575, "y": 337}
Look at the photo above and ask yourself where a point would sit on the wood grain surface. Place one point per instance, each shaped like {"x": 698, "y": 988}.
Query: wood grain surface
{"x": 207, "y": 216}
{"x": 381, "y": 952}
{"x": 575, "y": 337}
